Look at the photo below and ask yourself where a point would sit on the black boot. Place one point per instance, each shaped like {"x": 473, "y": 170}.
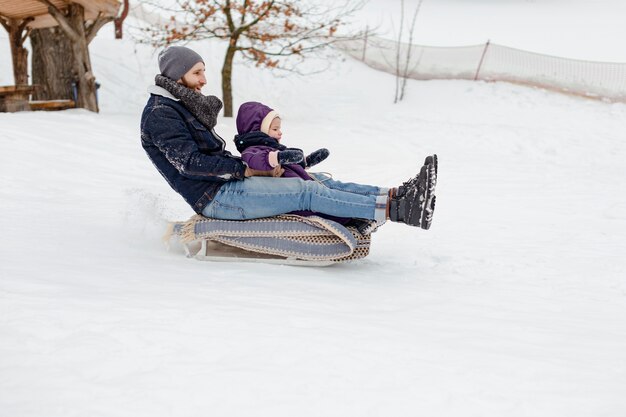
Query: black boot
{"x": 432, "y": 160}
{"x": 414, "y": 201}
{"x": 433, "y": 165}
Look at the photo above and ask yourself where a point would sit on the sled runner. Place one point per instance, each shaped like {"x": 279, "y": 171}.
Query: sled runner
{"x": 285, "y": 239}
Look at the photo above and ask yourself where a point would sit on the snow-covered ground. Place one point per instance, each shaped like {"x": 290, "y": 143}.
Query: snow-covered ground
{"x": 514, "y": 303}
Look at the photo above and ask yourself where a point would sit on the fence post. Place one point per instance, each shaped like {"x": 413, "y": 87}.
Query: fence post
{"x": 480, "y": 64}
{"x": 365, "y": 43}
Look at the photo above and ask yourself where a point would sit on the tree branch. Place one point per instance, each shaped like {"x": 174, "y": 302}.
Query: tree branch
{"x": 229, "y": 17}
{"x": 278, "y": 28}
{"x": 398, "y": 51}
{"x": 26, "y": 35}
{"x": 22, "y": 27}
{"x": 5, "y": 23}
{"x": 285, "y": 50}
{"x": 259, "y": 18}
{"x": 26, "y": 21}
{"x": 243, "y": 14}
{"x": 93, "y": 29}
{"x": 61, "y": 20}
{"x": 409, "y": 50}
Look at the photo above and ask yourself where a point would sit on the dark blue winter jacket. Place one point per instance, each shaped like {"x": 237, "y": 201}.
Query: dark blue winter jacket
{"x": 190, "y": 157}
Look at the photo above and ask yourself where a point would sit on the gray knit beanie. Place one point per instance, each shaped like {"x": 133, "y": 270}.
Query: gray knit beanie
{"x": 175, "y": 61}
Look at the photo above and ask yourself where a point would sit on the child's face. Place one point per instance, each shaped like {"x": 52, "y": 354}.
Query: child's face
{"x": 275, "y": 131}
{"x": 194, "y": 78}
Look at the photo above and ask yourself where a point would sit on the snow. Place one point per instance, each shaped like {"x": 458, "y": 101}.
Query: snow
{"x": 514, "y": 303}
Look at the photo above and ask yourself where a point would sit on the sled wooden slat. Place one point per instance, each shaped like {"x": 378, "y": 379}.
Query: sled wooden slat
{"x": 218, "y": 252}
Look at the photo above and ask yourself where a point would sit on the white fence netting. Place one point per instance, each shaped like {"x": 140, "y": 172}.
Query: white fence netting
{"x": 492, "y": 62}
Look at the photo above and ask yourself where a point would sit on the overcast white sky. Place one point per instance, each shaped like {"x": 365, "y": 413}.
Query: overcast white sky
{"x": 581, "y": 29}
{"x": 591, "y": 29}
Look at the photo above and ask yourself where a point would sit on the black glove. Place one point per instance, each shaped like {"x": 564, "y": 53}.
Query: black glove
{"x": 290, "y": 156}
{"x": 316, "y": 157}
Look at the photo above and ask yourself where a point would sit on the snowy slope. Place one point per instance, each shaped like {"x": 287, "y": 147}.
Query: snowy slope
{"x": 514, "y": 303}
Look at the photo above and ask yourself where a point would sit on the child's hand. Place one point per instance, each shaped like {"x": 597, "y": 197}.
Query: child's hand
{"x": 316, "y": 157}
{"x": 290, "y": 156}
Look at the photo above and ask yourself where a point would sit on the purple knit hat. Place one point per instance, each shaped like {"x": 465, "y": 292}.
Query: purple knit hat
{"x": 254, "y": 117}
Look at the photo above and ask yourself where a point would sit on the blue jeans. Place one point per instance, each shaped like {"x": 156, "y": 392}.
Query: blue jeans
{"x": 257, "y": 197}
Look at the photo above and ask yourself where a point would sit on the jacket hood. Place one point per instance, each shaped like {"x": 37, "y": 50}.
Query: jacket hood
{"x": 160, "y": 91}
{"x": 253, "y": 116}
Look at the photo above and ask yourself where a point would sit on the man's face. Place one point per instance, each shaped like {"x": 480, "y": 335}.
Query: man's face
{"x": 194, "y": 78}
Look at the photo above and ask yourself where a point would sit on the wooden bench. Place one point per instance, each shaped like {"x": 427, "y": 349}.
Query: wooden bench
{"x": 15, "y": 97}
{"x": 52, "y": 104}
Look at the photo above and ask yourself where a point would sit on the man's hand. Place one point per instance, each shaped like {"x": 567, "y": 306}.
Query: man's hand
{"x": 278, "y": 171}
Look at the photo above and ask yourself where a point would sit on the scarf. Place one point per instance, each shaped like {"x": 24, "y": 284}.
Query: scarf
{"x": 204, "y": 108}
{"x": 256, "y": 139}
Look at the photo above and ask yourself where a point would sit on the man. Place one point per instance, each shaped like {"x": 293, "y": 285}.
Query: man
{"x": 177, "y": 133}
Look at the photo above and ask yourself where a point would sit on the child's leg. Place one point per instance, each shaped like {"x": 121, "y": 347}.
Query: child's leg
{"x": 349, "y": 187}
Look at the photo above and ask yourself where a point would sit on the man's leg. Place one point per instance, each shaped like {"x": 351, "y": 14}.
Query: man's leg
{"x": 257, "y": 197}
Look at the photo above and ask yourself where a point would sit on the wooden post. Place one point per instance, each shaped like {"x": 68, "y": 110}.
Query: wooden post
{"x": 18, "y": 32}
{"x": 86, "y": 95}
{"x": 480, "y": 64}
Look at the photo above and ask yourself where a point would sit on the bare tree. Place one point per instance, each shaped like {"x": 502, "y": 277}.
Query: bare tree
{"x": 398, "y": 51}
{"x": 402, "y": 74}
{"x": 263, "y": 32}
{"x": 409, "y": 51}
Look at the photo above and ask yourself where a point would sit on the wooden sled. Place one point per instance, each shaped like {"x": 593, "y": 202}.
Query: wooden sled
{"x": 284, "y": 240}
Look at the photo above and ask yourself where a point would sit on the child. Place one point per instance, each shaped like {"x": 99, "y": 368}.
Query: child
{"x": 258, "y": 141}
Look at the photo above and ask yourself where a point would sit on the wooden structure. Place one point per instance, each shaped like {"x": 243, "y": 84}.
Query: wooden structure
{"x": 38, "y": 10}
{"x": 15, "y": 97}
{"x": 51, "y": 104}
{"x": 79, "y": 19}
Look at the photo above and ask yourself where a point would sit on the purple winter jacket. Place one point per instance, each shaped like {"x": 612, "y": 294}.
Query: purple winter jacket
{"x": 255, "y": 148}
